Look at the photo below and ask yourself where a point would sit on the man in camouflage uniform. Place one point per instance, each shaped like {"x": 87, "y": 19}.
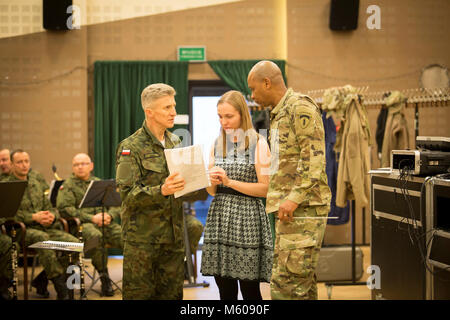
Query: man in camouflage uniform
{"x": 69, "y": 198}
{"x": 40, "y": 218}
{"x": 5, "y": 241}
{"x": 195, "y": 230}
{"x": 298, "y": 189}
{"x": 5, "y": 264}
{"x": 152, "y": 219}
{"x": 5, "y": 164}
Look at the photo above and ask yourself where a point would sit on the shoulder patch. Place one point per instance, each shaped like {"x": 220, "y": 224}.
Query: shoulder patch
{"x": 305, "y": 119}
{"x": 125, "y": 152}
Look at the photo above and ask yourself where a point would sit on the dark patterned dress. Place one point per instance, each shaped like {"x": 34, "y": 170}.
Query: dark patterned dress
{"x": 237, "y": 242}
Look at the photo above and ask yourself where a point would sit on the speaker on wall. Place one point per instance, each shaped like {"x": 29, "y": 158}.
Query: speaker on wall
{"x": 55, "y": 14}
{"x": 344, "y": 14}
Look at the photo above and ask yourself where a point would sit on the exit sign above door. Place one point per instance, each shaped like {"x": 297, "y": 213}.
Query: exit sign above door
{"x": 191, "y": 53}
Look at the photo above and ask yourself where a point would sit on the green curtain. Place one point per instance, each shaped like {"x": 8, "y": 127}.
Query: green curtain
{"x": 234, "y": 72}
{"x": 117, "y": 102}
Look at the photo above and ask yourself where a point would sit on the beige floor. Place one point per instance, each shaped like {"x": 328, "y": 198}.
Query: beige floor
{"x": 360, "y": 292}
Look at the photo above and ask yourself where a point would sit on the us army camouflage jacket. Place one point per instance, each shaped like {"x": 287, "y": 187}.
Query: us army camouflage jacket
{"x": 298, "y": 154}
{"x": 34, "y": 200}
{"x": 141, "y": 169}
{"x": 69, "y": 198}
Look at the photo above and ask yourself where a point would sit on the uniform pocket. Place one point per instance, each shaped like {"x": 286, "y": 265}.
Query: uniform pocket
{"x": 123, "y": 174}
{"x": 155, "y": 172}
{"x": 156, "y": 166}
{"x": 295, "y": 254}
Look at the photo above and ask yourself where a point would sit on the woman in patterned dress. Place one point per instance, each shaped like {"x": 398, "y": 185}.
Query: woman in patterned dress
{"x": 237, "y": 246}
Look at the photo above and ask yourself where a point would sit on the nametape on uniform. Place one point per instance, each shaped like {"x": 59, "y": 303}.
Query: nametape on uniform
{"x": 305, "y": 118}
{"x": 125, "y": 152}
{"x": 151, "y": 155}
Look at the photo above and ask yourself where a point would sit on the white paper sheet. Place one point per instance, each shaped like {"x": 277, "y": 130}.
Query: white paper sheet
{"x": 189, "y": 163}
{"x": 58, "y": 245}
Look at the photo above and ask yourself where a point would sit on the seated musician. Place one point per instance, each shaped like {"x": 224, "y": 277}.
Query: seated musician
{"x": 40, "y": 218}
{"x": 69, "y": 197}
{"x": 5, "y": 265}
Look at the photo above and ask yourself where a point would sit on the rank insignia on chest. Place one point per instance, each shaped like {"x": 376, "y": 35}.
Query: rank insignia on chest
{"x": 304, "y": 120}
{"x": 125, "y": 152}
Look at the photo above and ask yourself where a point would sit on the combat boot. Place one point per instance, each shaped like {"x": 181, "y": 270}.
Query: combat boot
{"x": 107, "y": 290}
{"x": 59, "y": 283}
{"x": 41, "y": 283}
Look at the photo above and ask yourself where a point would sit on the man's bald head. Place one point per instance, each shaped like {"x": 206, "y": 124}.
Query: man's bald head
{"x": 266, "y": 69}
{"x": 81, "y": 156}
{"x": 266, "y": 82}
{"x": 82, "y": 166}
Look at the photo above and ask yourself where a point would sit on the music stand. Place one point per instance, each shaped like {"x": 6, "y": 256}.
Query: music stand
{"x": 11, "y": 193}
{"x": 54, "y": 188}
{"x": 68, "y": 247}
{"x": 101, "y": 193}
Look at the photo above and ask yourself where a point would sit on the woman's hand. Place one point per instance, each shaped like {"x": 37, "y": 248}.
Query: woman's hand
{"x": 220, "y": 175}
{"x": 213, "y": 177}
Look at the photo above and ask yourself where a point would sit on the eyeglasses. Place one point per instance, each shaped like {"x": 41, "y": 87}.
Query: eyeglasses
{"x": 81, "y": 164}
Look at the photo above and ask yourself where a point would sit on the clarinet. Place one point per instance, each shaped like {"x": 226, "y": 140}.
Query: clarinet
{"x": 80, "y": 258}
{"x": 71, "y": 291}
{"x": 14, "y": 263}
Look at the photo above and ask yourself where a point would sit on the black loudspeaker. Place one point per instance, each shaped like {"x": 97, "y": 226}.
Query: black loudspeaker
{"x": 55, "y": 14}
{"x": 344, "y": 14}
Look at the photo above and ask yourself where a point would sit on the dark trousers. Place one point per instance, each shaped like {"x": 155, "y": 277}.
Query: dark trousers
{"x": 228, "y": 289}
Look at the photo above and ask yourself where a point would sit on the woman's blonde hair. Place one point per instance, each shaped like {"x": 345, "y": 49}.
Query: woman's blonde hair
{"x": 237, "y": 100}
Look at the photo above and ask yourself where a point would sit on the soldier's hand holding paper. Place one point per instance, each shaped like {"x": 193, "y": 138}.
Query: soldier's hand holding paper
{"x": 188, "y": 163}
{"x": 172, "y": 184}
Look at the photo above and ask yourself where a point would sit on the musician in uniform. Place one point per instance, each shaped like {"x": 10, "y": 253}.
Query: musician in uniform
{"x": 5, "y": 264}
{"x": 5, "y": 164}
{"x": 69, "y": 198}
{"x": 36, "y": 212}
{"x": 195, "y": 230}
{"x": 5, "y": 241}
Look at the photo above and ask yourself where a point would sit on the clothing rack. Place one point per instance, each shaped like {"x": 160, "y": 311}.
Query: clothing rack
{"x": 422, "y": 97}
{"x": 415, "y": 98}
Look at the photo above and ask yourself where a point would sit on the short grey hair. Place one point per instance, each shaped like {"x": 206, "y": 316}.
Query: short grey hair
{"x": 155, "y": 91}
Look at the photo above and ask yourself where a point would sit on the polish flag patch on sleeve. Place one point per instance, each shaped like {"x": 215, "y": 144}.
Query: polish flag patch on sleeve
{"x": 125, "y": 152}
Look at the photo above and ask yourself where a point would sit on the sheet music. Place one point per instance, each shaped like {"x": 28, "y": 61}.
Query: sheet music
{"x": 188, "y": 162}
{"x": 58, "y": 245}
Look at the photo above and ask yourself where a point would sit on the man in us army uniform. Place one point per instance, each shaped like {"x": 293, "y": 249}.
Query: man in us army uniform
{"x": 298, "y": 190}
{"x": 152, "y": 218}
{"x": 69, "y": 198}
{"x": 36, "y": 212}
